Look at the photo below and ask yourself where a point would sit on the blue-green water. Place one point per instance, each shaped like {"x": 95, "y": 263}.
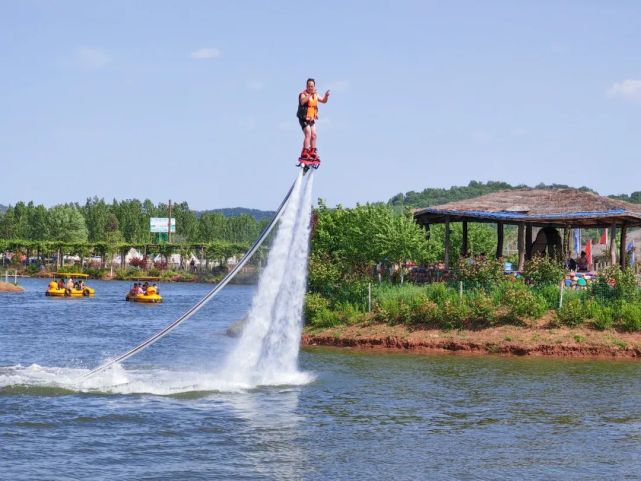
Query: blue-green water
{"x": 168, "y": 414}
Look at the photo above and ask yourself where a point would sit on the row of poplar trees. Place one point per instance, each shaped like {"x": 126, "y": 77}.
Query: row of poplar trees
{"x": 124, "y": 221}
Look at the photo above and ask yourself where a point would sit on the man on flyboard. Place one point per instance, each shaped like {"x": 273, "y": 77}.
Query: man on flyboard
{"x": 307, "y": 114}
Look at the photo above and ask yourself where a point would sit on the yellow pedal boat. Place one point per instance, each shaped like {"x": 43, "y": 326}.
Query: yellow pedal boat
{"x": 54, "y": 291}
{"x": 150, "y": 297}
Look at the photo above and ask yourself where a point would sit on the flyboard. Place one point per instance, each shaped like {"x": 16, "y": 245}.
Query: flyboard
{"x": 196, "y": 307}
{"x": 307, "y": 162}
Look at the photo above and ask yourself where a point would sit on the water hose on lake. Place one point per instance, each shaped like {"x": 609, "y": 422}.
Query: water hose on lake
{"x": 196, "y": 307}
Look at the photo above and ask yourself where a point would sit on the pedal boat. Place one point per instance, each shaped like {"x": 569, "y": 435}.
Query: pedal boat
{"x": 54, "y": 291}
{"x": 151, "y": 297}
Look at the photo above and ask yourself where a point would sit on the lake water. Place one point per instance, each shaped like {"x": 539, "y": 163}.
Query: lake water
{"x": 168, "y": 414}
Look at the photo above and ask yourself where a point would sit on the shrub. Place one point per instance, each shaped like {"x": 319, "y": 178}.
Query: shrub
{"x": 454, "y": 313}
{"x": 96, "y": 273}
{"x": 409, "y": 293}
{"x": 318, "y": 312}
{"x": 483, "y": 309}
{"x": 125, "y": 274}
{"x": 572, "y": 313}
{"x": 427, "y": 313}
{"x": 354, "y": 292}
{"x": 182, "y": 277}
{"x": 71, "y": 268}
{"x": 329, "y": 277}
{"x": 520, "y": 301}
{"x": 477, "y": 273}
{"x": 398, "y": 304}
{"x": 602, "y": 316}
{"x": 138, "y": 262}
{"x": 348, "y": 313}
{"x": 33, "y": 268}
{"x": 616, "y": 284}
{"x": 169, "y": 275}
{"x": 630, "y": 316}
{"x": 439, "y": 292}
{"x": 551, "y": 293}
{"x": 160, "y": 265}
{"x": 543, "y": 271}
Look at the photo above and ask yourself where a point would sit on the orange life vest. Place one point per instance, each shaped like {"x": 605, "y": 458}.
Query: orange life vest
{"x": 312, "y": 108}
{"x": 309, "y": 110}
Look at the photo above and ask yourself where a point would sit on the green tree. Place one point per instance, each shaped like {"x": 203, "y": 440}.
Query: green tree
{"x": 38, "y": 224}
{"x": 243, "y": 228}
{"x": 399, "y": 238}
{"x": 67, "y": 224}
{"x": 112, "y": 232}
{"x": 96, "y": 213}
{"x": 8, "y": 225}
{"x": 211, "y": 226}
{"x": 186, "y": 222}
{"x": 133, "y": 223}
{"x": 21, "y": 214}
{"x": 347, "y": 243}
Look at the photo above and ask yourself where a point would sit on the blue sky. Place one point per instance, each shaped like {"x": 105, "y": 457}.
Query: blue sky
{"x": 196, "y": 100}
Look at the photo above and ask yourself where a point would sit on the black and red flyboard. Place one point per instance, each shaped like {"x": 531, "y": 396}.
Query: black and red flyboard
{"x": 308, "y": 162}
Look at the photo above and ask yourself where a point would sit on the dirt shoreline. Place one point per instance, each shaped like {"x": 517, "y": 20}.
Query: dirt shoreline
{"x": 9, "y": 287}
{"x": 580, "y": 342}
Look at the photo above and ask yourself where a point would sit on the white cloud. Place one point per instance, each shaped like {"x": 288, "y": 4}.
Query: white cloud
{"x": 628, "y": 89}
{"x": 205, "y": 53}
{"x": 92, "y": 57}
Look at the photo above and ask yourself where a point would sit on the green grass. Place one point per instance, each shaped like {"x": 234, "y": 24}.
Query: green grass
{"x": 509, "y": 302}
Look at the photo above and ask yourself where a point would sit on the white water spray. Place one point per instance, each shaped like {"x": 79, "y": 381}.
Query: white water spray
{"x": 267, "y": 351}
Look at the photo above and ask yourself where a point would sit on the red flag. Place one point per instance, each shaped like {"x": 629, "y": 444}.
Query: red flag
{"x": 588, "y": 252}
{"x": 604, "y": 237}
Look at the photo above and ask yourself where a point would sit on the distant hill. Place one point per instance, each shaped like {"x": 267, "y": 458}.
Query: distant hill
{"x": 238, "y": 211}
{"x": 3, "y": 208}
{"x": 434, "y": 196}
{"x": 634, "y": 197}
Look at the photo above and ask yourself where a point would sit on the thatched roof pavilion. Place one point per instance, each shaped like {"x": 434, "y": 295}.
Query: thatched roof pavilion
{"x": 527, "y": 208}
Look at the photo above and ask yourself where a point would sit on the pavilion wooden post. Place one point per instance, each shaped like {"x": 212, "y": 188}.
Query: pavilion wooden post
{"x": 499, "y": 241}
{"x": 613, "y": 245}
{"x": 528, "y": 242}
{"x": 464, "y": 248}
{"x": 622, "y": 246}
{"x": 521, "y": 247}
{"x": 447, "y": 243}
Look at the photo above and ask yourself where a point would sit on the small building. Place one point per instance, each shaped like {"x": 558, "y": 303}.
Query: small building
{"x": 549, "y": 209}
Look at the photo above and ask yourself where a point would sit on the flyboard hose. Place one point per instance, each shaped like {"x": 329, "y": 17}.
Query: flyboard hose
{"x": 196, "y": 307}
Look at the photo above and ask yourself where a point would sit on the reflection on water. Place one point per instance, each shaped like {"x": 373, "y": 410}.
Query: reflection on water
{"x": 272, "y": 426}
